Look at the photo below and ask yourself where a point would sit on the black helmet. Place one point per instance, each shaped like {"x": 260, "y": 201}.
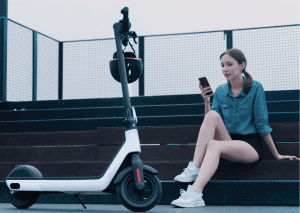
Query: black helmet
{"x": 134, "y": 67}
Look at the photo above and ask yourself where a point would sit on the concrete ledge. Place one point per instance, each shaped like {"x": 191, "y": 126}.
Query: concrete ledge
{"x": 167, "y": 170}
{"x": 225, "y": 193}
{"x": 162, "y": 134}
{"x": 87, "y": 124}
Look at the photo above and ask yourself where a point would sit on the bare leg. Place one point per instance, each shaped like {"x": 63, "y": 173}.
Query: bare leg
{"x": 210, "y": 165}
{"x": 206, "y": 133}
{"x": 234, "y": 150}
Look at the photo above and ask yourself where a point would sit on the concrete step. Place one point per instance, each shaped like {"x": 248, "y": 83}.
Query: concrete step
{"x": 264, "y": 170}
{"x": 174, "y": 134}
{"x": 106, "y": 153}
{"x": 50, "y": 138}
{"x": 85, "y": 124}
{"x": 282, "y": 95}
{"x": 216, "y": 192}
{"x": 187, "y": 134}
{"x": 118, "y": 111}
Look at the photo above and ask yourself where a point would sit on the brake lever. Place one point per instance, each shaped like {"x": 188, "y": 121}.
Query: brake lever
{"x": 134, "y": 36}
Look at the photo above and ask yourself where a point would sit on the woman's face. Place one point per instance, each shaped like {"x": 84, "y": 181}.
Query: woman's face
{"x": 231, "y": 67}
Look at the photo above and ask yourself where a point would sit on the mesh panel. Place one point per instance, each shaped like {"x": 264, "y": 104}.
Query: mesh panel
{"x": 174, "y": 63}
{"x": 19, "y": 63}
{"x": 272, "y": 55}
{"x": 47, "y": 68}
{"x": 86, "y": 71}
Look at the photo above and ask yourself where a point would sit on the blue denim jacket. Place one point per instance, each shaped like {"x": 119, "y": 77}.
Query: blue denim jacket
{"x": 243, "y": 114}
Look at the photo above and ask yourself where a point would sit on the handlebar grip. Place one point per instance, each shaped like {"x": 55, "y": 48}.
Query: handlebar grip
{"x": 124, "y": 11}
{"x": 125, "y": 20}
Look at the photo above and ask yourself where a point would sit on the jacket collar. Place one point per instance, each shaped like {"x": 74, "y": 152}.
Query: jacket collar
{"x": 229, "y": 92}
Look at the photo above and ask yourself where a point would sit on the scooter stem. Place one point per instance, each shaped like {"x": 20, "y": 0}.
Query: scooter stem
{"x": 118, "y": 27}
{"x": 137, "y": 165}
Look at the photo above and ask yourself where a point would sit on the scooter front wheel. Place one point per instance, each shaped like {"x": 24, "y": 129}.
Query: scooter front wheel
{"x": 140, "y": 201}
{"x": 23, "y": 200}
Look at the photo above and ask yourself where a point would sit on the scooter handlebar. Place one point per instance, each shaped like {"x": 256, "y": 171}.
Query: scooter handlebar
{"x": 125, "y": 20}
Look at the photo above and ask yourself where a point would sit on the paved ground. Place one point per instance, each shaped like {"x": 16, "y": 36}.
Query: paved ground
{"x": 7, "y": 207}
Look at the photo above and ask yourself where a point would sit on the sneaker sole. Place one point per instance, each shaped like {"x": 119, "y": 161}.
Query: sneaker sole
{"x": 185, "y": 180}
{"x": 197, "y": 204}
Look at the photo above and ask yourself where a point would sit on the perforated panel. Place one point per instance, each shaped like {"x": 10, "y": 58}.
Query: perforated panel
{"x": 272, "y": 55}
{"x": 19, "y": 63}
{"x": 174, "y": 63}
{"x": 47, "y": 68}
{"x": 86, "y": 71}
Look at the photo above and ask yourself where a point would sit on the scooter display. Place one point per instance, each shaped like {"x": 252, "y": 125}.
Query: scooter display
{"x": 137, "y": 185}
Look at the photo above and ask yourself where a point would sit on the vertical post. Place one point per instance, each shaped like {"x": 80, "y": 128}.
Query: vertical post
{"x": 3, "y": 8}
{"x": 34, "y": 66}
{"x": 141, "y": 56}
{"x": 228, "y": 34}
{"x": 60, "y": 70}
{"x": 3, "y": 50}
{"x": 228, "y": 39}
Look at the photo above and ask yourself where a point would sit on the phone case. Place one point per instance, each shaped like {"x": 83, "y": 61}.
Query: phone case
{"x": 204, "y": 83}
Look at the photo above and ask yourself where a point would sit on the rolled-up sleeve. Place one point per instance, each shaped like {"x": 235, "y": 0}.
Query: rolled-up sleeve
{"x": 260, "y": 112}
{"x": 216, "y": 104}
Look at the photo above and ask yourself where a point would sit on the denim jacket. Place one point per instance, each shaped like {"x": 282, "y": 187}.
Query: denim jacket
{"x": 243, "y": 114}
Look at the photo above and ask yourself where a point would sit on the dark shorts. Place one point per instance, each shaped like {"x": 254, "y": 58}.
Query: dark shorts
{"x": 254, "y": 140}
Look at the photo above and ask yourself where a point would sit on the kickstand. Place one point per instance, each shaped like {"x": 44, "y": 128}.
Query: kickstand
{"x": 76, "y": 195}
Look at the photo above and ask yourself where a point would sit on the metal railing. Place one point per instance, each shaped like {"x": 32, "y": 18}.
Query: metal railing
{"x": 37, "y": 67}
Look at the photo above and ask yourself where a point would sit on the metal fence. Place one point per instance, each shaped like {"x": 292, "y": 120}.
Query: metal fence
{"x": 19, "y": 63}
{"x": 41, "y": 68}
{"x": 32, "y": 64}
{"x": 86, "y": 71}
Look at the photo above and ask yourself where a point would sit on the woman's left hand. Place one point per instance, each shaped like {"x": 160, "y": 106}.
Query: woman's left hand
{"x": 288, "y": 157}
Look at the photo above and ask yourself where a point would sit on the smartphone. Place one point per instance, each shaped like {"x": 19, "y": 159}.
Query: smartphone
{"x": 204, "y": 84}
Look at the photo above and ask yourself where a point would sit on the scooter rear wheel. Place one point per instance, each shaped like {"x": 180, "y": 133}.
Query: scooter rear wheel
{"x": 139, "y": 201}
{"x": 23, "y": 200}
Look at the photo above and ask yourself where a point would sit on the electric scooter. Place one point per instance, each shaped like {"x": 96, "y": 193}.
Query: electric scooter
{"x": 136, "y": 185}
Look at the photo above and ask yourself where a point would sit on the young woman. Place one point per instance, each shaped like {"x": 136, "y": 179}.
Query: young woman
{"x": 232, "y": 130}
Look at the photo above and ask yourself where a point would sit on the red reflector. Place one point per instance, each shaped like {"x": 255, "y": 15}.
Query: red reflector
{"x": 138, "y": 174}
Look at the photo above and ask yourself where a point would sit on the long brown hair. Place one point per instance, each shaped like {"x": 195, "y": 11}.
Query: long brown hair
{"x": 240, "y": 58}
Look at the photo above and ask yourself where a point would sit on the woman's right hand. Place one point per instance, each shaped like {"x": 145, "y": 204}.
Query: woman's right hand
{"x": 205, "y": 91}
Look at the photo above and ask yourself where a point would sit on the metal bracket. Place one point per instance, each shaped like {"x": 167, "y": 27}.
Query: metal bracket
{"x": 132, "y": 119}
{"x": 134, "y": 115}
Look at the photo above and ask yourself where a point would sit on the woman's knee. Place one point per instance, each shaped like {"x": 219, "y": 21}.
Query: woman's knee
{"x": 213, "y": 145}
{"x": 212, "y": 114}
{"x": 221, "y": 132}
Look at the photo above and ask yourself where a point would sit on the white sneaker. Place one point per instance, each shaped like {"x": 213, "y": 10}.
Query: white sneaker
{"x": 189, "y": 174}
{"x": 189, "y": 198}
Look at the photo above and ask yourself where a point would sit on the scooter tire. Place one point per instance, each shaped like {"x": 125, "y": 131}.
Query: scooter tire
{"x": 23, "y": 200}
{"x": 139, "y": 201}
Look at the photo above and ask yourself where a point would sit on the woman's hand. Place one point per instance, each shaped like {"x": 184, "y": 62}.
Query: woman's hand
{"x": 205, "y": 91}
{"x": 288, "y": 157}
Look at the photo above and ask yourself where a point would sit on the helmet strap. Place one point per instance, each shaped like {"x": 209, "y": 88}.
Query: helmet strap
{"x": 125, "y": 39}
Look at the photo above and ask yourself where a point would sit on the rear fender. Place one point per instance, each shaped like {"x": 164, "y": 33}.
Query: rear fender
{"x": 24, "y": 171}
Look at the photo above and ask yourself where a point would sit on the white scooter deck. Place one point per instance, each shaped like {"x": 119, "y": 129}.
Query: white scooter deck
{"x": 82, "y": 184}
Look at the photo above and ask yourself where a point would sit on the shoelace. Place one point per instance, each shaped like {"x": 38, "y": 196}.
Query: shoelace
{"x": 187, "y": 170}
{"x": 185, "y": 195}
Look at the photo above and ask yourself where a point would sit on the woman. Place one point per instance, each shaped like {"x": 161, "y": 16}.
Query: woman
{"x": 232, "y": 130}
